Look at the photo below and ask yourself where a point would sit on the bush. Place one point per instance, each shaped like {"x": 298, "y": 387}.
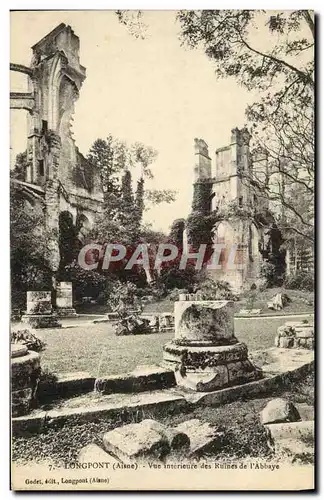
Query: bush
{"x": 216, "y": 290}
{"x": 174, "y": 294}
{"x": 28, "y": 338}
{"x": 269, "y": 272}
{"x": 302, "y": 280}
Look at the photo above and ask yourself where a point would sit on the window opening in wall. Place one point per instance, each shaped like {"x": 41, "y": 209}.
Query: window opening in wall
{"x": 41, "y": 167}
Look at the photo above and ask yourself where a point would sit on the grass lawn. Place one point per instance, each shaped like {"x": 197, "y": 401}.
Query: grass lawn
{"x": 301, "y": 302}
{"x": 96, "y": 349}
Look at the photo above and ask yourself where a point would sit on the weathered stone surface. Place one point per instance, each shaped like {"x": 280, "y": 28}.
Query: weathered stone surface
{"x": 295, "y": 335}
{"x": 20, "y": 401}
{"x": 39, "y": 303}
{"x": 295, "y": 449}
{"x": 24, "y": 370}
{"x": 242, "y": 371}
{"x": 93, "y": 453}
{"x": 41, "y": 320}
{"x": 204, "y": 381}
{"x": 279, "y": 410}
{"x": 204, "y": 438}
{"x": 177, "y": 440}
{"x": 205, "y": 321}
{"x": 67, "y": 384}
{"x": 292, "y": 430}
{"x": 286, "y": 342}
{"x": 198, "y": 357}
{"x": 64, "y": 300}
{"x": 306, "y": 412}
{"x": 64, "y": 294}
{"x": 296, "y": 324}
{"x": 310, "y": 343}
{"x": 143, "y": 378}
{"x": 18, "y": 350}
{"x": 136, "y": 441}
{"x": 304, "y": 333}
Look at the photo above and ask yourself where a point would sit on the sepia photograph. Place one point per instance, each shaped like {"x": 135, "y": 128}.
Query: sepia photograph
{"x": 162, "y": 250}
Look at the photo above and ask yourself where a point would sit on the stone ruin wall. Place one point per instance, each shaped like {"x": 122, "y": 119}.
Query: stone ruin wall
{"x": 56, "y": 170}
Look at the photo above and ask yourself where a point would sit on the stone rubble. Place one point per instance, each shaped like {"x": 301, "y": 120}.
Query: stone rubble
{"x": 295, "y": 335}
{"x": 279, "y": 410}
{"x": 204, "y": 438}
{"x": 136, "y": 441}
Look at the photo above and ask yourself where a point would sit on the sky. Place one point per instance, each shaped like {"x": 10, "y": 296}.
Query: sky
{"x": 153, "y": 91}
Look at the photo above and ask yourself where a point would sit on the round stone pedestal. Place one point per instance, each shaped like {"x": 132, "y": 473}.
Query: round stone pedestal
{"x": 25, "y": 372}
{"x": 205, "y": 354}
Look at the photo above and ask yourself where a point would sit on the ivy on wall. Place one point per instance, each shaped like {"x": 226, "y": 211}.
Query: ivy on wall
{"x": 202, "y": 197}
{"x": 200, "y": 228}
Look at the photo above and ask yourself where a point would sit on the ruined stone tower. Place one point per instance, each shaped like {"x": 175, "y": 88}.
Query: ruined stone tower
{"x": 57, "y": 174}
{"x": 243, "y": 217}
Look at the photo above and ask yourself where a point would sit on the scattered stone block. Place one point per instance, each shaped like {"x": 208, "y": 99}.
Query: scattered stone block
{"x": 310, "y": 343}
{"x": 204, "y": 438}
{"x": 136, "y": 441}
{"x": 305, "y": 333}
{"x": 286, "y": 342}
{"x": 279, "y": 410}
{"x": 306, "y": 411}
{"x": 93, "y": 453}
{"x": 303, "y": 430}
{"x": 177, "y": 440}
{"x": 295, "y": 335}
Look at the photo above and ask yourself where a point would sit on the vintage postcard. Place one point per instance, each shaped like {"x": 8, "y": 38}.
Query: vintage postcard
{"x": 162, "y": 250}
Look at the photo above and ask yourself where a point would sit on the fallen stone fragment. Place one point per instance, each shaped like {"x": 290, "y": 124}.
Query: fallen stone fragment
{"x": 279, "y": 410}
{"x": 279, "y": 434}
{"x": 176, "y": 439}
{"x": 93, "y": 453}
{"x": 286, "y": 342}
{"x": 306, "y": 412}
{"x": 134, "y": 441}
{"x": 204, "y": 438}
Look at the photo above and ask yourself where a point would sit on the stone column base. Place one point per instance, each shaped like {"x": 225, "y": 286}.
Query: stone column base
{"x": 41, "y": 320}
{"x": 66, "y": 312}
{"x": 210, "y": 368}
{"x": 25, "y": 371}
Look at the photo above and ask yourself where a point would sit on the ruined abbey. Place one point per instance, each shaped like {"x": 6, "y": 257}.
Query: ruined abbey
{"x": 57, "y": 174}
{"x": 60, "y": 178}
{"x": 242, "y": 217}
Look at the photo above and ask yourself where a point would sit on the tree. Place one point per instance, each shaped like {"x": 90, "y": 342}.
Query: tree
{"x": 122, "y": 214}
{"x": 234, "y": 40}
{"x": 271, "y": 53}
{"x": 19, "y": 170}
{"x": 281, "y": 123}
{"x": 29, "y": 268}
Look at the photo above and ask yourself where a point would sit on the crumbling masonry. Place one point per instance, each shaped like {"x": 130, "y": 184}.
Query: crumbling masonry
{"x": 57, "y": 174}
{"x": 242, "y": 217}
